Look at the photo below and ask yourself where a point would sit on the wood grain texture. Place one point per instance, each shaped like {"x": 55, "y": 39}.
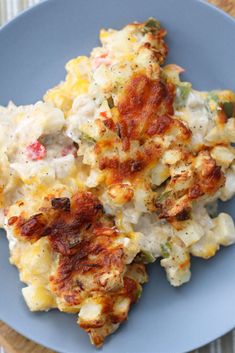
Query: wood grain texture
{"x": 226, "y": 5}
{"x": 12, "y": 341}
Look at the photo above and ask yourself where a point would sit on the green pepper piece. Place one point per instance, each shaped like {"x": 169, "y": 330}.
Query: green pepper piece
{"x": 151, "y": 25}
{"x": 182, "y": 92}
{"x": 165, "y": 249}
{"x": 149, "y": 258}
{"x": 87, "y": 138}
{"x": 229, "y": 109}
{"x": 138, "y": 292}
{"x": 145, "y": 256}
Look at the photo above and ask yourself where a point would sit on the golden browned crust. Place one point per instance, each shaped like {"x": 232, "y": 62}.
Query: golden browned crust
{"x": 143, "y": 101}
{"x": 111, "y": 318}
{"x": 145, "y": 110}
{"x": 63, "y": 222}
{"x": 130, "y": 168}
{"x": 204, "y": 178}
{"x": 90, "y": 262}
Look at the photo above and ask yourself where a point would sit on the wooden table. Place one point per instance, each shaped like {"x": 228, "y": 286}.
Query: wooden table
{"x": 13, "y": 342}
{"x": 226, "y": 5}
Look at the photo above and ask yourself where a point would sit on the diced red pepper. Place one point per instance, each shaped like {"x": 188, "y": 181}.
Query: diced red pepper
{"x": 99, "y": 60}
{"x": 104, "y": 55}
{"x": 36, "y": 151}
{"x": 103, "y": 114}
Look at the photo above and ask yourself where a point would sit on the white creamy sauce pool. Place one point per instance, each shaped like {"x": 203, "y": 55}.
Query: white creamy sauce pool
{"x": 198, "y": 117}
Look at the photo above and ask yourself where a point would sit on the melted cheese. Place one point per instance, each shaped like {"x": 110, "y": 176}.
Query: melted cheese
{"x": 152, "y": 153}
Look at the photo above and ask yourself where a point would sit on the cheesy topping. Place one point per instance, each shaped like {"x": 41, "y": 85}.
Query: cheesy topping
{"x": 86, "y": 262}
{"x": 121, "y": 164}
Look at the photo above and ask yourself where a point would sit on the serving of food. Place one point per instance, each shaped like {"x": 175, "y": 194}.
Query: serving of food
{"x": 119, "y": 165}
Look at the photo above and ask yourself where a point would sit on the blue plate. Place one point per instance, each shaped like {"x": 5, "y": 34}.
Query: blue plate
{"x": 34, "y": 48}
